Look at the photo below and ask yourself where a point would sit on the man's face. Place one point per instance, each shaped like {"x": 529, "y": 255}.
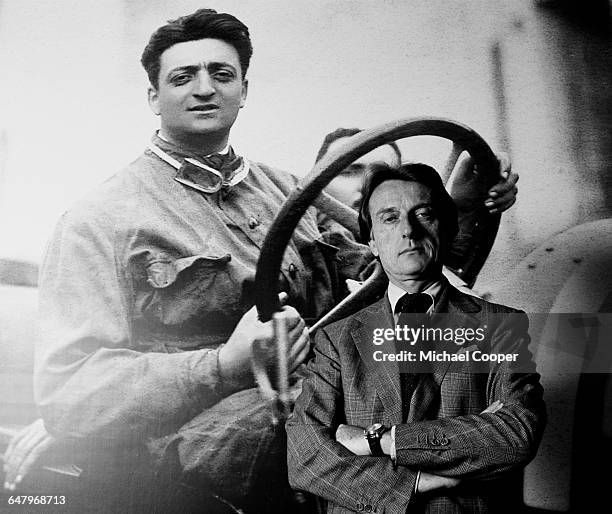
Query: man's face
{"x": 347, "y": 187}
{"x": 201, "y": 89}
{"x": 405, "y": 230}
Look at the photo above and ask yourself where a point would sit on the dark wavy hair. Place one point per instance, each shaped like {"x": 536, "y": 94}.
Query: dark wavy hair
{"x": 204, "y": 23}
{"x": 443, "y": 204}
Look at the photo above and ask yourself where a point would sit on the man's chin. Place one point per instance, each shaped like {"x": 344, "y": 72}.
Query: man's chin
{"x": 412, "y": 264}
{"x": 421, "y": 272}
{"x": 207, "y": 127}
{"x": 198, "y": 131}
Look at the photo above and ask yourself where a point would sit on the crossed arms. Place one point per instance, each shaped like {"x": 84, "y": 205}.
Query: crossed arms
{"x": 337, "y": 390}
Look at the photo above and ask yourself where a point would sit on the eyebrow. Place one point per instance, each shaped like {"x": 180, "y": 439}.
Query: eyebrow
{"x": 385, "y": 210}
{"x": 192, "y": 68}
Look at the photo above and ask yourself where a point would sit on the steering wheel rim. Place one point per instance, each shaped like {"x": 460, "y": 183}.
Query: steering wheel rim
{"x": 331, "y": 165}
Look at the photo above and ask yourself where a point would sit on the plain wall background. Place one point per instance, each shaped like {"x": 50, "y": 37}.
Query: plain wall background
{"x": 73, "y": 97}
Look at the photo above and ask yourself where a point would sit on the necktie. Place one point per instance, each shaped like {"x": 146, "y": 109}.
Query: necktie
{"x": 226, "y": 163}
{"x": 413, "y": 303}
{"x": 418, "y": 303}
{"x": 206, "y": 174}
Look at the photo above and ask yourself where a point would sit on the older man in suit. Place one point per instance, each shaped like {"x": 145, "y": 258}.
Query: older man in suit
{"x": 375, "y": 430}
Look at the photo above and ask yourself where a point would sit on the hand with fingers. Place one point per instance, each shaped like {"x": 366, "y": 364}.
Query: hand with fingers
{"x": 430, "y": 482}
{"x": 251, "y": 334}
{"x": 26, "y": 449}
{"x": 351, "y": 437}
{"x": 493, "y": 407}
{"x": 466, "y": 185}
{"x": 502, "y": 195}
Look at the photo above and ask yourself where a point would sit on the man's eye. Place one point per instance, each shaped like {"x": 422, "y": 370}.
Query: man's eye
{"x": 390, "y": 218}
{"x": 224, "y": 76}
{"x": 425, "y": 214}
{"x": 181, "y": 79}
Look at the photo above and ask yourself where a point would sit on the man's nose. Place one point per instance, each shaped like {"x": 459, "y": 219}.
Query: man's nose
{"x": 410, "y": 227}
{"x": 204, "y": 85}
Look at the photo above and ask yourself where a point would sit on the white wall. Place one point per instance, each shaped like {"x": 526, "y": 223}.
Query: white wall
{"x": 73, "y": 106}
{"x": 72, "y": 97}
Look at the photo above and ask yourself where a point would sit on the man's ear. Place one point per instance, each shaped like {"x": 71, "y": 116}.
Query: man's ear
{"x": 373, "y": 247}
{"x": 153, "y": 97}
{"x": 245, "y": 90}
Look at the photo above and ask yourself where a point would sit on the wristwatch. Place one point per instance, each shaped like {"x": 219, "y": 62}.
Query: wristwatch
{"x": 373, "y": 434}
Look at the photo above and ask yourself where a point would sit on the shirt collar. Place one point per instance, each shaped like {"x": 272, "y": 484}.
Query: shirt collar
{"x": 224, "y": 151}
{"x": 394, "y": 293}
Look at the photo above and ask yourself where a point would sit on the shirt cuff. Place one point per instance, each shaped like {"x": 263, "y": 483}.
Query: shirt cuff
{"x": 224, "y": 386}
{"x": 393, "y": 453}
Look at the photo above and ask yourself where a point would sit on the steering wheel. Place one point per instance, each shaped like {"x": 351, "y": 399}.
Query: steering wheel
{"x": 482, "y": 226}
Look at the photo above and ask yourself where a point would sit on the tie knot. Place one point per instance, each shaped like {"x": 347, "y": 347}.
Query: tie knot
{"x": 418, "y": 302}
{"x": 216, "y": 160}
{"x": 226, "y": 163}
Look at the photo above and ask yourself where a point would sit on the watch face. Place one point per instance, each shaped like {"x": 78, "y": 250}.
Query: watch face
{"x": 374, "y": 429}
{"x": 373, "y": 435}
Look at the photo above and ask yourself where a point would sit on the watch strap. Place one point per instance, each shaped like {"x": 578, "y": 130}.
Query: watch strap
{"x": 375, "y": 447}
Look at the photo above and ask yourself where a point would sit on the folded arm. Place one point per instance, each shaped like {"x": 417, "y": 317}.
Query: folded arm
{"x": 489, "y": 443}
{"x": 319, "y": 464}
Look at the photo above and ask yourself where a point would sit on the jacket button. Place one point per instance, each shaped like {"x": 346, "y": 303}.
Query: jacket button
{"x": 360, "y": 507}
{"x": 253, "y": 222}
{"x": 292, "y": 270}
{"x": 368, "y": 508}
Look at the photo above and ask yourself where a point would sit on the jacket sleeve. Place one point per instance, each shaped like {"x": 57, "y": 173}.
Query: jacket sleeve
{"x": 320, "y": 465}
{"x": 484, "y": 445}
{"x": 88, "y": 383}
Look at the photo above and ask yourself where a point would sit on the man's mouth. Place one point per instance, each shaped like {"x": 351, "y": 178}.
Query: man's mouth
{"x": 205, "y": 108}
{"x": 411, "y": 251}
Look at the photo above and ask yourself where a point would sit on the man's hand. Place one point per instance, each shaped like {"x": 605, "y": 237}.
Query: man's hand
{"x": 428, "y": 482}
{"x": 493, "y": 408}
{"x": 503, "y": 194}
{"x": 466, "y": 185}
{"x": 351, "y": 437}
{"x": 235, "y": 356}
{"x": 24, "y": 450}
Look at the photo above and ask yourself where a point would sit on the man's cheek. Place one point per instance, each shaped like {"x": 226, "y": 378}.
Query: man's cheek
{"x": 430, "y": 249}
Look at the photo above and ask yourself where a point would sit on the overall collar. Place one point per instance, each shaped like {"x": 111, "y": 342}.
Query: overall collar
{"x": 205, "y": 173}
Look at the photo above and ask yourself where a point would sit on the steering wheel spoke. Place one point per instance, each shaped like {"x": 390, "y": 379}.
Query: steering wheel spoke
{"x": 451, "y": 162}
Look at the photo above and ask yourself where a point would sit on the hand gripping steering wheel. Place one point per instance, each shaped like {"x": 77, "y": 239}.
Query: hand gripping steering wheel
{"x": 479, "y": 227}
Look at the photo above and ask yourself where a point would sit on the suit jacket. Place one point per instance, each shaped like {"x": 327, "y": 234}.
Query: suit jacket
{"x": 441, "y": 431}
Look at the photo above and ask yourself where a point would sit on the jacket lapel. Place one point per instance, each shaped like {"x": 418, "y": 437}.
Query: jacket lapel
{"x": 455, "y": 306}
{"x": 384, "y": 374}
{"x": 453, "y": 309}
